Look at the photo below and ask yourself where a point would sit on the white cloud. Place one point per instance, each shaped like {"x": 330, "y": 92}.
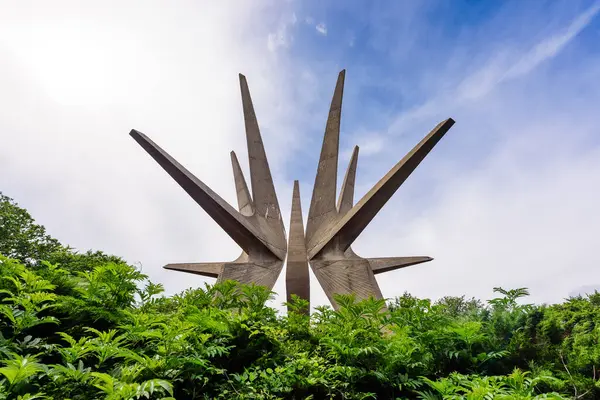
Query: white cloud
{"x": 278, "y": 39}
{"x": 585, "y": 290}
{"x": 516, "y": 221}
{"x": 75, "y": 80}
{"x": 282, "y": 37}
{"x": 322, "y": 29}
{"x": 369, "y": 143}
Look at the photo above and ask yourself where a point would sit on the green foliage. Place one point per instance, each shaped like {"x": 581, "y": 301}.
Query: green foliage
{"x": 20, "y": 237}
{"x": 89, "y": 326}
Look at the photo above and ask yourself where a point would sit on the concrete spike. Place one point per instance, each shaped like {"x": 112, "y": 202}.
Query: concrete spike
{"x": 347, "y": 229}
{"x": 338, "y": 274}
{"x": 245, "y": 204}
{"x": 346, "y": 199}
{"x": 323, "y": 211}
{"x": 211, "y": 270}
{"x": 257, "y": 273}
{"x": 263, "y": 190}
{"x": 241, "y": 230}
{"x": 385, "y": 264}
{"x": 297, "y": 278}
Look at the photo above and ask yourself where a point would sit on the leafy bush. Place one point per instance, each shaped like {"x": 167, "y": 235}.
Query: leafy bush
{"x": 89, "y": 326}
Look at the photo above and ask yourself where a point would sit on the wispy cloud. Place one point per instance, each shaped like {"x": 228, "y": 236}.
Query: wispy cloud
{"x": 502, "y": 67}
{"x": 551, "y": 46}
{"x": 322, "y": 29}
{"x": 282, "y": 36}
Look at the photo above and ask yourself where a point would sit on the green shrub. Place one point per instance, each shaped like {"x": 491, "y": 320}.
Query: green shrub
{"x": 89, "y": 326}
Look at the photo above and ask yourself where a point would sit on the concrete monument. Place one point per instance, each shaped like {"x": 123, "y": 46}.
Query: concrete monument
{"x": 331, "y": 228}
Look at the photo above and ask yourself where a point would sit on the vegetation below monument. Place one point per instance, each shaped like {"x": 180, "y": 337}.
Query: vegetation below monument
{"x": 89, "y": 326}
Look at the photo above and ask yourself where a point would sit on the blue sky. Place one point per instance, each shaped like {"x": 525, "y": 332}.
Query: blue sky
{"x": 402, "y": 54}
{"x": 508, "y": 198}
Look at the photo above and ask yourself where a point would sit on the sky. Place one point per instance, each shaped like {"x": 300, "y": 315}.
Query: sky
{"x": 507, "y": 199}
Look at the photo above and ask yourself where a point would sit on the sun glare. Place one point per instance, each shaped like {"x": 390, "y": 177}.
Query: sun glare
{"x": 74, "y": 65}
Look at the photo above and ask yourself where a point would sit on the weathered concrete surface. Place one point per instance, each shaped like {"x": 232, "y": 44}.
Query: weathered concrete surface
{"x": 331, "y": 230}
{"x": 211, "y": 270}
{"x": 244, "y": 199}
{"x": 263, "y": 191}
{"x": 257, "y": 227}
{"x": 297, "y": 279}
{"x": 322, "y": 206}
{"x": 347, "y": 228}
{"x": 385, "y": 264}
{"x": 346, "y": 200}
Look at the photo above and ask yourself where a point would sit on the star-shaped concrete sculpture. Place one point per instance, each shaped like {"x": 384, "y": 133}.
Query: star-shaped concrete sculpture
{"x": 331, "y": 228}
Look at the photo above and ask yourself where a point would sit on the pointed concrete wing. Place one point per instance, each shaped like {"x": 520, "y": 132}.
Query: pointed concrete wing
{"x": 242, "y": 231}
{"x": 323, "y": 209}
{"x": 346, "y": 200}
{"x": 347, "y": 229}
{"x": 341, "y": 275}
{"x": 211, "y": 270}
{"x": 297, "y": 279}
{"x": 245, "y": 204}
{"x": 257, "y": 273}
{"x": 385, "y": 264}
{"x": 241, "y": 270}
{"x": 263, "y": 190}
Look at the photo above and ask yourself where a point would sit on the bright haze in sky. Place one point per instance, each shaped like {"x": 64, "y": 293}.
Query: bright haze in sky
{"x": 508, "y": 198}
